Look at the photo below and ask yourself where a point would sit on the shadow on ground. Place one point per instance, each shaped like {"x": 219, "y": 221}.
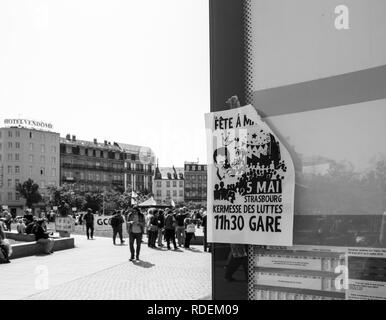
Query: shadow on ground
{"x": 143, "y": 264}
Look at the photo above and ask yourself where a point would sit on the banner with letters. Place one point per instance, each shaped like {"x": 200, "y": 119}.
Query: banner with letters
{"x": 251, "y": 180}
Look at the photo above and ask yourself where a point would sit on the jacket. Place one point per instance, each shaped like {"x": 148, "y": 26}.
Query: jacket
{"x": 89, "y": 218}
{"x": 130, "y": 219}
{"x": 170, "y": 222}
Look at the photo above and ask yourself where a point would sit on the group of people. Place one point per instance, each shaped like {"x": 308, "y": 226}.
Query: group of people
{"x": 29, "y": 224}
{"x": 159, "y": 225}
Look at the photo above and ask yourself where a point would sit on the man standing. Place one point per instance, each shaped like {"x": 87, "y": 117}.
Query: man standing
{"x": 135, "y": 228}
{"x": 180, "y": 228}
{"x": 116, "y": 222}
{"x": 170, "y": 223}
{"x": 89, "y": 218}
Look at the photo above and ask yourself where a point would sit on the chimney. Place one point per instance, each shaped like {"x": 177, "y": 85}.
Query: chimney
{"x": 95, "y": 141}
{"x": 68, "y": 137}
{"x": 73, "y": 138}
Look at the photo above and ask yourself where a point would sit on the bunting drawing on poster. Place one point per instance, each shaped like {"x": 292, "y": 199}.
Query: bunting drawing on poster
{"x": 251, "y": 180}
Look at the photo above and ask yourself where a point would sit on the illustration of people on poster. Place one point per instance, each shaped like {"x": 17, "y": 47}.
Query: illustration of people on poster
{"x": 251, "y": 180}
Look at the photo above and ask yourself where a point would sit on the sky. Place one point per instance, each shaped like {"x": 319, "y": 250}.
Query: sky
{"x": 135, "y": 72}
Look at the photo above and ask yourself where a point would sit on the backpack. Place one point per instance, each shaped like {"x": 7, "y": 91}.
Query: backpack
{"x": 114, "y": 221}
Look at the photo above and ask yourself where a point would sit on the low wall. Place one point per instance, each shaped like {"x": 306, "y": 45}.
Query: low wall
{"x": 30, "y": 247}
{"x": 19, "y": 236}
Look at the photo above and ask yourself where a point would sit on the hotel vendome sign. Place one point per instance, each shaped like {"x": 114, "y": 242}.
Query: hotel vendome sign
{"x": 251, "y": 181}
{"x": 28, "y": 123}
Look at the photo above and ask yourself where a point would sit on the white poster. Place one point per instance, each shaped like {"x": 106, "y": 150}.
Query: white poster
{"x": 251, "y": 180}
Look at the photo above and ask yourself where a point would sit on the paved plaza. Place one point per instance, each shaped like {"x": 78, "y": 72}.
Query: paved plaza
{"x": 95, "y": 269}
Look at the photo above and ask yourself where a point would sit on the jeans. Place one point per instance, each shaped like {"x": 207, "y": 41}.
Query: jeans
{"x": 116, "y": 231}
{"x": 138, "y": 238}
{"x": 153, "y": 232}
{"x": 48, "y": 244}
{"x": 90, "y": 227}
{"x": 188, "y": 238}
{"x": 170, "y": 235}
{"x": 160, "y": 234}
{"x": 180, "y": 232}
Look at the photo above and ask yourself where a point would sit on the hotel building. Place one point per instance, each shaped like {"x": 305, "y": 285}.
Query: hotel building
{"x": 26, "y": 152}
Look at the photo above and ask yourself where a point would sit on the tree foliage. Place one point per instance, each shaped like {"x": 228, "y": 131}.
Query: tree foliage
{"x": 30, "y": 192}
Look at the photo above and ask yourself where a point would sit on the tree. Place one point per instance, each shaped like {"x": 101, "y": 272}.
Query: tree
{"x": 94, "y": 201}
{"x": 68, "y": 195}
{"x": 30, "y": 192}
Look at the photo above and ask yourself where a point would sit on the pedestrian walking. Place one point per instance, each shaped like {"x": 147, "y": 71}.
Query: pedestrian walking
{"x": 170, "y": 226}
{"x": 135, "y": 228}
{"x": 238, "y": 257}
{"x": 161, "y": 227}
{"x": 190, "y": 229}
{"x": 116, "y": 223}
{"x": 89, "y": 219}
{"x": 180, "y": 228}
{"x": 204, "y": 224}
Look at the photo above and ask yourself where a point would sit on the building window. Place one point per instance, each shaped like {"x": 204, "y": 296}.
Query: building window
{"x": 9, "y": 156}
{"x": 17, "y": 197}
{"x": 181, "y": 184}
{"x": 174, "y": 184}
{"x": 181, "y": 193}
{"x": 17, "y": 157}
{"x": 17, "y": 145}
{"x": 9, "y": 183}
{"x": 9, "y": 196}
{"x": 31, "y": 146}
{"x": 174, "y": 193}
{"x": 9, "y": 169}
{"x": 159, "y": 194}
{"x": 10, "y": 134}
{"x": 9, "y": 145}
{"x": 41, "y": 171}
{"x": 30, "y": 135}
{"x": 17, "y": 181}
{"x": 159, "y": 184}
{"x": 168, "y": 193}
{"x": 168, "y": 184}
{"x": 17, "y": 169}
{"x": 53, "y": 149}
{"x": 31, "y": 158}
{"x": 53, "y": 160}
{"x": 42, "y": 159}
{"x": 17, "y": 134}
